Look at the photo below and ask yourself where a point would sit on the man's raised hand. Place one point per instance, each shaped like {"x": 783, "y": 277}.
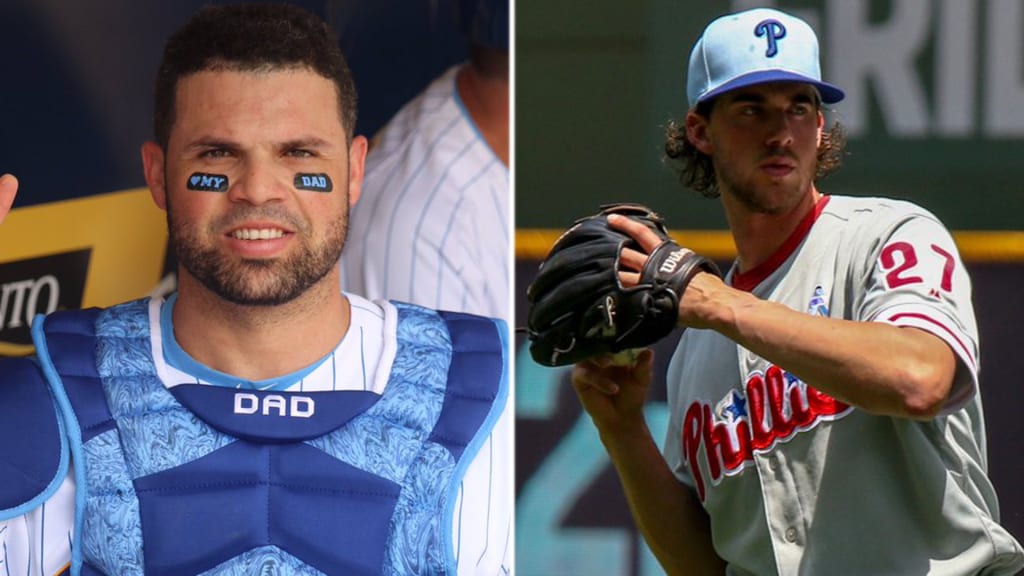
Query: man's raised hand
{"x": 8, "y": 188}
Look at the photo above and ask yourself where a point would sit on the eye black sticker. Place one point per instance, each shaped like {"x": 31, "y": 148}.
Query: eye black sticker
{"x": 314, "y": 182}
{"x": 208, "y": 182}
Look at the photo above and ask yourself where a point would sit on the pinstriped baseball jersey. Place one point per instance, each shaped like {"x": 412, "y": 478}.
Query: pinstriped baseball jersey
{"x": 796, "y": 482}
{"x": 38, "y": 542}
{"x": 432, "y": 225}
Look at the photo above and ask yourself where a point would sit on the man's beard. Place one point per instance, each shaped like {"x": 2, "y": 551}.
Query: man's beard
{"x": 257, "y": 282}
{"x": 754, "y": 202}
{"x": 759, "y": 201}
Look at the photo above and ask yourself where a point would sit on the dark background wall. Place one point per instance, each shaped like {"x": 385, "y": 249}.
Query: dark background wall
{"x": 934, "y": 114}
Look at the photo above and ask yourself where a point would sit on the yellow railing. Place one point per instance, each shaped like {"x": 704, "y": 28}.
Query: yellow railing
{"x": 974, "y": 245}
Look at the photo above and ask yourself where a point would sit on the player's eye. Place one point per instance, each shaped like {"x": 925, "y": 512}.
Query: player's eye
{"x": 300, "y": 153}
{"x": 215, "y": 153}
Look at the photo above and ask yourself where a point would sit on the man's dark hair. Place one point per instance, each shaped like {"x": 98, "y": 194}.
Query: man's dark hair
{"x": 251, "y": 38}
{"x": 697, "y": 171}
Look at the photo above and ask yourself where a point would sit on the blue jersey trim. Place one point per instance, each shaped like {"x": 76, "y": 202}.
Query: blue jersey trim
{"x": 73, "y": 434}
{"x": 176, "y": 357}
{"x": 469, "y": 120}
{"x": 362, "y": 361}
{"x": 474, "y": 446}
{"x": 59, "y": 473}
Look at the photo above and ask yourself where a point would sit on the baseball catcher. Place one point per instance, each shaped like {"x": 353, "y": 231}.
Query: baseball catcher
{"x": 579, "y": 305}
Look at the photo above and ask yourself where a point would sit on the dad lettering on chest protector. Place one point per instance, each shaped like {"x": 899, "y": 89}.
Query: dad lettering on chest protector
{"x": 291, "y": 406}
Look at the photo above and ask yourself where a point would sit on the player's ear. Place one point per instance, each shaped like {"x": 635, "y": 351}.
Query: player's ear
{"x": 356, "y": 168}
{"x": 153, "y": 169}
{"x": 697, "y": 132}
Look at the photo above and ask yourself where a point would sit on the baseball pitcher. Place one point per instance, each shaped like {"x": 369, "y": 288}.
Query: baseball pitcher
{"x": 824, "y": 408}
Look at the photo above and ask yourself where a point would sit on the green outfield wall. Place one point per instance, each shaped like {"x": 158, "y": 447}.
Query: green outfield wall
{"x": 934, "y": 108}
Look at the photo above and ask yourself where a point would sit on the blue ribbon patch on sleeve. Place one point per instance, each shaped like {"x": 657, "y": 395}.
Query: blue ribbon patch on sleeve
{"x": 208, "y": 182}
{"x": 314, "y": 182}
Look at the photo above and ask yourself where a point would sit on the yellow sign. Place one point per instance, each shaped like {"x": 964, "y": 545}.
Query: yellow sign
{"x": 94, "y": 251}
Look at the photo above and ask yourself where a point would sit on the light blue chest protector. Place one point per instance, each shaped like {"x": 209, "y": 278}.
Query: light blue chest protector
{"x": 209, "y": 480}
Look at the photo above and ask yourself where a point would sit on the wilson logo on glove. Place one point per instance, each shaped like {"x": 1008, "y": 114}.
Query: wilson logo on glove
{"x": 579, "y": 309}
{"x": 673, "y": 259}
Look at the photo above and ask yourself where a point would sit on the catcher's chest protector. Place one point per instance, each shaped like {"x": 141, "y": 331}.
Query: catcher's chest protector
{"x": 204, "y": 479}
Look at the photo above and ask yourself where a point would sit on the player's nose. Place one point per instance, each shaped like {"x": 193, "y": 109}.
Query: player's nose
{"x": 260, "y": 182}
{"x": 780, "y": 130}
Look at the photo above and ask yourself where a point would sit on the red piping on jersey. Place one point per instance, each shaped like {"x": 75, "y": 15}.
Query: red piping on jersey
{"x": 967, "y": 354}
{"x": 748, "y": 280}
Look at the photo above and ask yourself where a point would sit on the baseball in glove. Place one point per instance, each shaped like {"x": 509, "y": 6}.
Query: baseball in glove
{"x": 579, "y": 308}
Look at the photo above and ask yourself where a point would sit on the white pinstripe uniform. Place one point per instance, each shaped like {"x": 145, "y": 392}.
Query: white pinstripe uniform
{"x": 796, "y": 482}
{"x": 39, "y": 542}
{"x": 432, "y": 224}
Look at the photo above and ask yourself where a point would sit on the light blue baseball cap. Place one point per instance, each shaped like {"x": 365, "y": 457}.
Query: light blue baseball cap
{"x": 754, "y": 47}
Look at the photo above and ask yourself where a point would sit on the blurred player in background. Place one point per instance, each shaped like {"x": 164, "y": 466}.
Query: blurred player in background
{"x": 258, "y": 420}
{"x": 434, "y": 225}
{"x": 824, "y": 408}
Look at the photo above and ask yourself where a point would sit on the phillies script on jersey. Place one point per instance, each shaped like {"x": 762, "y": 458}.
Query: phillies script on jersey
{"x": 774, "y": 406}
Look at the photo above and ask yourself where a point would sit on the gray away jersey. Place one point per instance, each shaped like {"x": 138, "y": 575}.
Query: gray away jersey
{"x": 796, "y": 482}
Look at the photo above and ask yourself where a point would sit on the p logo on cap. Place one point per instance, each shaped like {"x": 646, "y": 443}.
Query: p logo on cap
{"x": 773, "y": 30}
{"x": 754, "y": 47}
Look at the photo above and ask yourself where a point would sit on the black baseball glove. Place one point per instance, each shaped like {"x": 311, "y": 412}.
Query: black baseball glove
{"x": 580, "y": 309}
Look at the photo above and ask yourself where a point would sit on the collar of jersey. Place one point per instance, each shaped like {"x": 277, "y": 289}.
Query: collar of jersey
{"x": 464, "y": 112}
{"x": 177, "y": 358}
{"x": 749, "y": 280}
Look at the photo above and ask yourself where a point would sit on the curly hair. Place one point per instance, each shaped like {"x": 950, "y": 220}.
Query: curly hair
{"x": 696, "y": 170}
{"x": 251, "y": 38}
